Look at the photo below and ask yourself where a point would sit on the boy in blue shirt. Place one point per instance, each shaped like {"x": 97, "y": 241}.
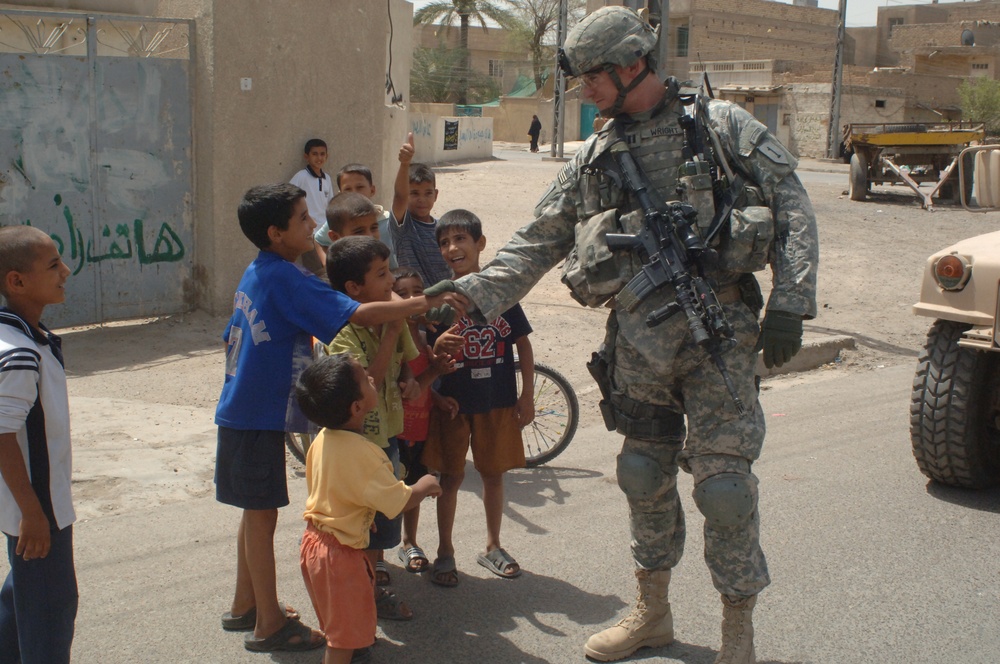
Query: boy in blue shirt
{"x": 38, "y": 600}
{"x": 277, "y": 310}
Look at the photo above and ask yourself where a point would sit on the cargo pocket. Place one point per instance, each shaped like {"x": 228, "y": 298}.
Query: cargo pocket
{"x": 592, "y": 271}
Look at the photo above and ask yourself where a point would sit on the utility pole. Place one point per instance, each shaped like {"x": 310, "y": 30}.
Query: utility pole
{"x": 559, "y": 107}
{"x": 659, "y": 15}
{"x": 833, "y": 146}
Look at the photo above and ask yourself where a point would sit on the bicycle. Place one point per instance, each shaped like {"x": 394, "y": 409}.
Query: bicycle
{"x": 557, "y": 416}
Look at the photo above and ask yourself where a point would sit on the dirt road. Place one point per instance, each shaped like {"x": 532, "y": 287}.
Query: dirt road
{"x": 143, "y": 395}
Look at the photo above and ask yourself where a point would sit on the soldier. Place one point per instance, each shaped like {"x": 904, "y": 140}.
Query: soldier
{"x": 655, "y": 376}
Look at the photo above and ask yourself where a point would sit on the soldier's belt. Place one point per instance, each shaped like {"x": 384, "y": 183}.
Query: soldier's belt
{"x": 644, "y": 411}
{"x": 645, "y": 421}
{"x": 727, "y": 295}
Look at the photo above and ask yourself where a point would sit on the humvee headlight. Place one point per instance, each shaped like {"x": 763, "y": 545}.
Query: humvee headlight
{"x": 952, "y": 272}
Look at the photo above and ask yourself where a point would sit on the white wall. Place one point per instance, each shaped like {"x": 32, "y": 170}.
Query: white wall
{"x": 474, "y": 139}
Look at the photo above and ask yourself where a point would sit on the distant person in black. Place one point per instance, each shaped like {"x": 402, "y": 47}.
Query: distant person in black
{"x": 534, "y": 130}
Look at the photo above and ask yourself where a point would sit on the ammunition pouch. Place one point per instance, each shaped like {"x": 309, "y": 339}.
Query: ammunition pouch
{"x": 695, "y": 184}
{"x": 592, "y": 271}
{"x": 745, "y": 245}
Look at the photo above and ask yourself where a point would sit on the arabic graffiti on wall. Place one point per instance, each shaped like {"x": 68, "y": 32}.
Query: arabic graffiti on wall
{"x": 166, "y": 248}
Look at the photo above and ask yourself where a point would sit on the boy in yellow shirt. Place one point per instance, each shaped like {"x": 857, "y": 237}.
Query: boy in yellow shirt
{"x": 348, "y": 479}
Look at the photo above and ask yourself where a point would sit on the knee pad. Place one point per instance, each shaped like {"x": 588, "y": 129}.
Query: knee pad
{"x": 638, "y": 476}
{"x": 727, "y": 499}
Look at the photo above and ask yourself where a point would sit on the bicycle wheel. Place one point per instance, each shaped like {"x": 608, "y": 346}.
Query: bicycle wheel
{"x": 298, "y": 444}
{"x": 557, "y": 414}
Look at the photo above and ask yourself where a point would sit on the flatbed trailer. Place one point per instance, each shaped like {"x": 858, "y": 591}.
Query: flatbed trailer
{"x": 911, "y": 154}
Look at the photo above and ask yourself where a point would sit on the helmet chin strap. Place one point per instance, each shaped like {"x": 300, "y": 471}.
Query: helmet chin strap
{"x": 623, "y": 90}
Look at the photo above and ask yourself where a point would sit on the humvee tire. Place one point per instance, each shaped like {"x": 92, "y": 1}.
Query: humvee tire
{"x": 953, "y": 410}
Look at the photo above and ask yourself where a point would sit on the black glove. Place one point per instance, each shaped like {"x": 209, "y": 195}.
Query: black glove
{"x": 444, "y": 286}
{"x": 443, "y": 315}
{"x": 780, "y": 337}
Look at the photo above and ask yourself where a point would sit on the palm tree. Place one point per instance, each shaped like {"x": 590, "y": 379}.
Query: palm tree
{"x": 444, "y": 12}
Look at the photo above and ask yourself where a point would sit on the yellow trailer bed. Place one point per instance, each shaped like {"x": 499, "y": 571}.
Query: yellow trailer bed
{"x": 911, "y": 154}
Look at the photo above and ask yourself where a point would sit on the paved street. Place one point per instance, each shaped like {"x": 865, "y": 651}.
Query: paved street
{"x": 869, "y": 563}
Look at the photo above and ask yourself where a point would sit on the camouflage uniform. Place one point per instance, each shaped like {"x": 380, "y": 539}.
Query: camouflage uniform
{"x": 661, "y": 366}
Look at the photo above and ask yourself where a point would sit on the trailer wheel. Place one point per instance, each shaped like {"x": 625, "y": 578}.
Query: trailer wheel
{"x": 859, "y": 178}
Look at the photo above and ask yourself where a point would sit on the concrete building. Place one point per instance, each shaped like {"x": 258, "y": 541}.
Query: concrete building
{"x": 263, "y": 77}
{"x": 491, "y": 52}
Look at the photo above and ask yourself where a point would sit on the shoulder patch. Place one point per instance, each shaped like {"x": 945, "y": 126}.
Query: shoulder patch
{"x": 775, "y": 151}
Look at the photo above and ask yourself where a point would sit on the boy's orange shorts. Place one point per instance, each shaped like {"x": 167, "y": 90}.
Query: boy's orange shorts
{"x": 341, "y": 585}
{"x": 495, "y": 439}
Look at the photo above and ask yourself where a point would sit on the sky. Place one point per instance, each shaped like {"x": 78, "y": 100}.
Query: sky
{"x": 859, "y": 12}
{"x": 865, "y": 12}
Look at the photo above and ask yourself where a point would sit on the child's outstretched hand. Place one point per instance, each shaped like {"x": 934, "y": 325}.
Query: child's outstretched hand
{"x": 428, "y": 485}
{"x": 406, "y": 151}
{"x": 445, "y": 292}
{"x": 409, "y": 389}
{"x": 440, "y": 363}
{"x": 447, "y": 404}
{"x": 450, "y": 342}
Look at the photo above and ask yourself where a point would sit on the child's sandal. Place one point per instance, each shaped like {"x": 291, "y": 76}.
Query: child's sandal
{"x": 382, "y": 577}
{"x": 389, "y": 607}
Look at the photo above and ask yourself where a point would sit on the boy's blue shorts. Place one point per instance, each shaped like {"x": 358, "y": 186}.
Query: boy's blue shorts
{"x": 250, "y": 469}
{"x": 388, "y": 532}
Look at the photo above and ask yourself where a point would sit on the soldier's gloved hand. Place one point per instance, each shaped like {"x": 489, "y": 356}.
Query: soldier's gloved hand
{"x": 444, "y": 286}
{"x": 443, "y": 315}
{"x": 780, "y": 337}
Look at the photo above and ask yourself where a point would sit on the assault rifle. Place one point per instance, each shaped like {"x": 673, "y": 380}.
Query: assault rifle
{"x": 675, "y": 253}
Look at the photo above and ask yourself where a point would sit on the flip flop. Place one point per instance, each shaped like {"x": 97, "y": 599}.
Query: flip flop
{"x": 413, "y": 555}
{"x": 283, "y": 639}
{"x": 382, "y": 577}
{"x": 248, "y": 620}
{"x": 389, "y": 607}
{"x": 442, "y": 571}
{"x": 499, "y": 561}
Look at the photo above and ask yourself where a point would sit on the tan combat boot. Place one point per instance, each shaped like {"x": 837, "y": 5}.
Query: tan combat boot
{"x": 649, "y": 625}
{"x": 737, "y": 631}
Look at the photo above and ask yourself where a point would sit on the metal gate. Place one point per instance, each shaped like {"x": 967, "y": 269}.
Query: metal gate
{"x": 96, "y": 150}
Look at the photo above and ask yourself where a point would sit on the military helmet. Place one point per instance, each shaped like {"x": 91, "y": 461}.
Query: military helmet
{"x": 608, "y": 36}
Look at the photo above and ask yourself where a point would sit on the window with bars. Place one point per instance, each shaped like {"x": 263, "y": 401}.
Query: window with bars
{"x": 682, "y": 41}
{"x": 496, "y": 68}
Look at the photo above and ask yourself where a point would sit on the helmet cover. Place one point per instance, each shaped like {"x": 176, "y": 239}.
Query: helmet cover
{"x": 608, "y": 36}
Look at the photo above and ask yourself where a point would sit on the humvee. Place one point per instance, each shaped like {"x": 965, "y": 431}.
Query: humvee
{"x": 955, "y": 403}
